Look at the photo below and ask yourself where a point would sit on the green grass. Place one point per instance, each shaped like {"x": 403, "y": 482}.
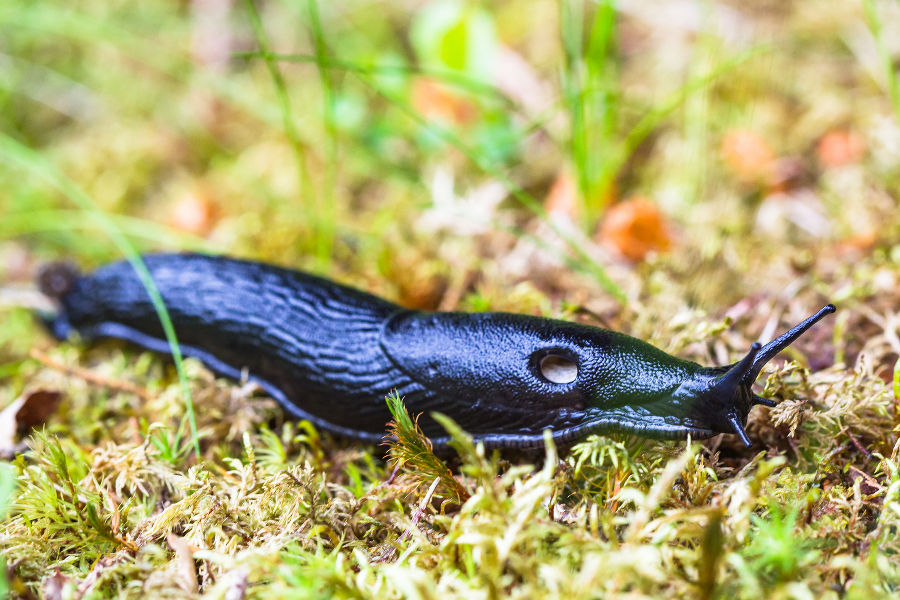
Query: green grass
{"x": 593, "y": 98}
{"x": 299, "y": 147}
{"x": 891, "y": 77}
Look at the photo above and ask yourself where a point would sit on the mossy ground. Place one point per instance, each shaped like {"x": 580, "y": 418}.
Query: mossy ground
{"x": 383, "y": 152}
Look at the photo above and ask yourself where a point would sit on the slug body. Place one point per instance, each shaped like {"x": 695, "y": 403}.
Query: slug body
{"x": 330, "y": 354}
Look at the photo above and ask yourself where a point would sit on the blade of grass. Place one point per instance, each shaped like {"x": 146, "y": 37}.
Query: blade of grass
{"x": 652, "y": 119}
{"x": 610, "y": 167}
{"x": 603, "y": 108}
{"x": 572, "y": 82}
{"x": 166, "y": 61}
{"x": 590, "y": 86}
{"x": 27, "y": 159}
{"x": 37, "y": 221}
{"x": 485, "y": 91}
{"x": 533, "y": 123}
{"x": 327, "y": 216}
{"x": 310, "y": 202}
{"x": 630, "y": 140}
{"x": 589, "y": 264}
{"x": 891, "y": 78}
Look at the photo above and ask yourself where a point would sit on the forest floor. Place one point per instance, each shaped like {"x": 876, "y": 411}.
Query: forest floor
{"x": 699, "y": 175}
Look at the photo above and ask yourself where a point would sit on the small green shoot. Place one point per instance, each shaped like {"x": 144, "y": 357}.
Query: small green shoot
{"x": 168, "y": 444}
{"x": 410, "y": 450}
{"x": 775, "y": 549}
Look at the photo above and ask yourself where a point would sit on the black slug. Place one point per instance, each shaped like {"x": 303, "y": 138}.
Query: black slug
{"x": 330, "y": 354}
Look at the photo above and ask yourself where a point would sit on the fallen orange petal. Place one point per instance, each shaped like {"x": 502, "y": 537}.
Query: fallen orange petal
{"x": 748, "y": 155}
{"x": 840, "y": 148}
{"x": 193, "y": 213}
{"x": 635, "y": 228}
{"x": 436, "y": 102}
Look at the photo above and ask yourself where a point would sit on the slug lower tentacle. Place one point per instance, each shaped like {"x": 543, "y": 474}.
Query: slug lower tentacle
{"x": 330, "y": 354}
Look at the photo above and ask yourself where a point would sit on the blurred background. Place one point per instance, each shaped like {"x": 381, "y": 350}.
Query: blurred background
{"x": 623, "y": 158}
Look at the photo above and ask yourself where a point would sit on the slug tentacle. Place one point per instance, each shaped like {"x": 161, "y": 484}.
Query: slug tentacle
{"x": 735, "y": 421}
{"x": 767, "y": 402}
{"x": 769, "y": 351}
{"x": 330, "y": 354}
{"x": 727, "y": 385}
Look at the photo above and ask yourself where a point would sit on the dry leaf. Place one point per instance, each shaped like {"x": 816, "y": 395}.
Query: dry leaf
{"x": 30, "y": 410}
{"x": 436, "y": 102}
{"x": 184, "y": 556}
{"x": 37, "y": 408}
{"x": 237, "y": 585}
{"x": 52, "y": 587}
{"x": 748, "y": 155}
{"x": 635, "y": 228}
{"x": 840, "y": 148}
{"x": 193, "y": 213}
{"x": 856, "y": 245}
{"x": 868, "y": 484}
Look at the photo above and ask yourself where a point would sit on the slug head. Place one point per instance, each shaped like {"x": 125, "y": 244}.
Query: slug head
{"x": 715, "y": 400}
{"x": 505, "y": 378}
{"x": 709, "y": 400}
{"x": 728, "y": 397}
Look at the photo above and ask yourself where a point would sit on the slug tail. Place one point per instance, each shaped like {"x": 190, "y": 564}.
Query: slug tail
{"x": 56, "y": 279}
{"x": 769, "y": 351}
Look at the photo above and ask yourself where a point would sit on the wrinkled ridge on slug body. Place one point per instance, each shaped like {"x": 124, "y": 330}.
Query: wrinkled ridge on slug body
{"x": 330, "y": 354}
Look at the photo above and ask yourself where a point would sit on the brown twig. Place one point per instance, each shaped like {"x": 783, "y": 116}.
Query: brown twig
{"x": 856, "y": 443}
{"x": 390, "y": 480}
{"x": 89, "y": 376}
{"x": 426, "y": 500}
{"x": 390, "y": 553}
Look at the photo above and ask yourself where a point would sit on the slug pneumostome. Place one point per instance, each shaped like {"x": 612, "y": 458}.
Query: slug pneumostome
{"x": 330, "y": 354}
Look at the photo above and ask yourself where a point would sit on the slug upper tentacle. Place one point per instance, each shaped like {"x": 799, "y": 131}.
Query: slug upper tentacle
{"x": 330, "y": 354}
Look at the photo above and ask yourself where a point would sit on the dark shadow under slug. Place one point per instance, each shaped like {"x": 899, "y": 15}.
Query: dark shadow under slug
{"x": 330, "y": 354}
